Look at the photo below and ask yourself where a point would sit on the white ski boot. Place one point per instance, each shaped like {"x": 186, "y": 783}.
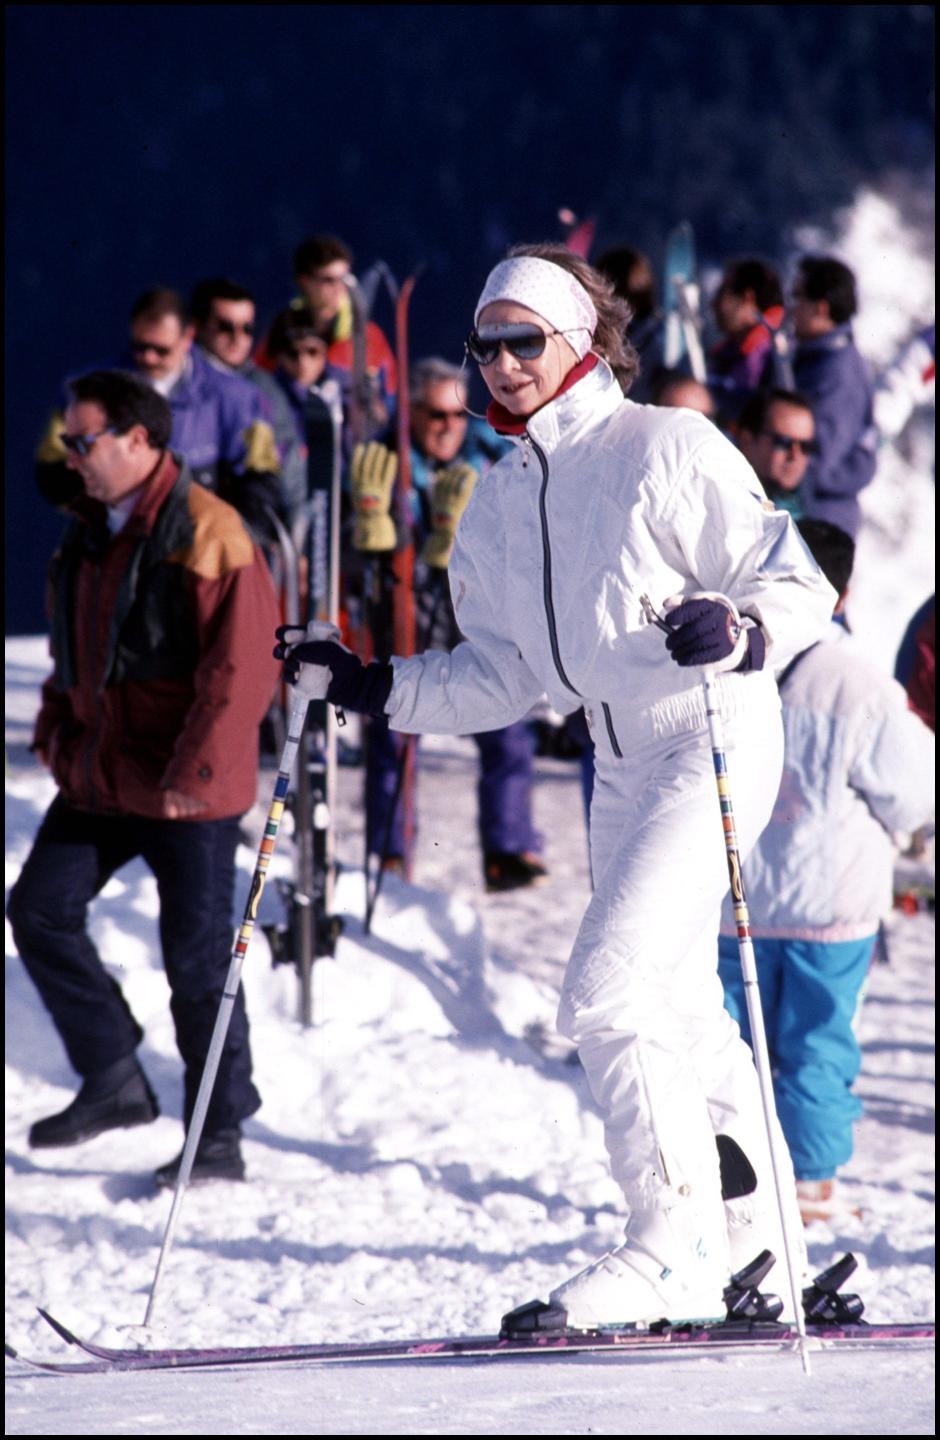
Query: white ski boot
{"x": 670, "y": 1266}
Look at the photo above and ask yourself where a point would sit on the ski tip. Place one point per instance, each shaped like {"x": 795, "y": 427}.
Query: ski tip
{"x": 9, "y": 1352}
{"x": 57, "y": 1326}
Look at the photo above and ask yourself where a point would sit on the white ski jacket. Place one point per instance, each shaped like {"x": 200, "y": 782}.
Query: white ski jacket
{"x": 858, "y": 767}
{"x": 601, "y": 502}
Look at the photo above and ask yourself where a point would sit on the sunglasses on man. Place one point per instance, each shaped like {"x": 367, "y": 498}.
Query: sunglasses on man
{"x": 144, "y": 347}
{"x": 439, "y": 416}
{"x": 526, "y": 342}
{"x": 790, "y": 443}
{"x": 229, "y": 327}
{"x": 82, "y": 444}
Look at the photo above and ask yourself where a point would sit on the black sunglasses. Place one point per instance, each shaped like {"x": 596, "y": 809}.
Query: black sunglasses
{"x": 229, "y": 327}
{"x": 526, "y": 342}
{"x": 81, "y": 444}
{"x": 790, "y": 442}
{"x": 441, "y": 415}
{"x": 141, "y": 347}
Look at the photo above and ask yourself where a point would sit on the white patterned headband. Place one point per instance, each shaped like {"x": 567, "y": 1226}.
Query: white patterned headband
{"x": 550, "y": 291}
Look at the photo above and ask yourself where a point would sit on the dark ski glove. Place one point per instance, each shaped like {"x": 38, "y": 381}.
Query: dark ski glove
{"x": 320, "y": 668}
{"x": 708, "y": 631}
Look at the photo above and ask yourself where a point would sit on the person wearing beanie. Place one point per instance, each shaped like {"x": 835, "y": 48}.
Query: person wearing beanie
{"x": 603, "y": 511}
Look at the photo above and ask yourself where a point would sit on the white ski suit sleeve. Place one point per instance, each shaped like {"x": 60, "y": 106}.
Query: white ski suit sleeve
{"x": 752, "y": 553}
{"x": 482, "y": 684}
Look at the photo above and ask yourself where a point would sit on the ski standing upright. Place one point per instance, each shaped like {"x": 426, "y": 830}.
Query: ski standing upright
{"x": 682, "y": 340}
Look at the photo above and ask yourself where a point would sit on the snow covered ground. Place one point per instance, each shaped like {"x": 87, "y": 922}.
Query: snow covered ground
{"x": 419, "y": 1166}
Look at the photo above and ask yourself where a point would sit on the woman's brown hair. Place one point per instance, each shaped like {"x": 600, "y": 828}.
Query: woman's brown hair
{"x": 613, "y": 313}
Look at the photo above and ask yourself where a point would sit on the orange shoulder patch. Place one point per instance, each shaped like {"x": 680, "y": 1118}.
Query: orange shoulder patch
{"x": 221, "y": 542}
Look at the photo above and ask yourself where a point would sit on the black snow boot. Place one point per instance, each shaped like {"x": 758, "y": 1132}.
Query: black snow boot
{"x": 506, "y": 870}
{"x": 218, "y": 1157}
{"x": 112, "y": 1099}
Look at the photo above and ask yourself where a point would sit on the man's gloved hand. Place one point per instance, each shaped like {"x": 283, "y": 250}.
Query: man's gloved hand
{"x": 321, "y": 668}
{"x": 449, "y": 498}
{"x": 708, "y": 631}
{"x": 371, "y": 479}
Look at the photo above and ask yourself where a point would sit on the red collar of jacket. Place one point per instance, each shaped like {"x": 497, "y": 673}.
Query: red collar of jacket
{"x": 152, "y": 494}
{"x": 758, "y": 338}
{"x": 505, "y": 423}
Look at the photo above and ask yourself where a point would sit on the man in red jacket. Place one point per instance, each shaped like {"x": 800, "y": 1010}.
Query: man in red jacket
{"x": 159, "y": 603}
{"x": 323, "y": 275}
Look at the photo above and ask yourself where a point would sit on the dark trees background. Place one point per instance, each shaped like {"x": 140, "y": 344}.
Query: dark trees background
{"x": 156, "y": 144}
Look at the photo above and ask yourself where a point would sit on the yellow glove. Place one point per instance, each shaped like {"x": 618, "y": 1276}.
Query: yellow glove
{"x": 371, "y": 478}
{"x": 449, "y": 498}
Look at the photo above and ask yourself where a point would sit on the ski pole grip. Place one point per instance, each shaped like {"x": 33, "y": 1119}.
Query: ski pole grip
{"x": 311, "y": 681}
{"x": 326, "y": 630}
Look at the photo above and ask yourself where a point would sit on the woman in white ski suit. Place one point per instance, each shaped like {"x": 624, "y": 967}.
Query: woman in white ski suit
{"x": 601, "y": 503}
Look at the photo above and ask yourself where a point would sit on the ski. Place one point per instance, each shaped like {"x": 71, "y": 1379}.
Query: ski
{"x": 579, "y": 234}
{"x": 682, "y": 344}
{"x": 319, "y": 928}
{"x": 311, "y": 552}
{"x": 403, "y": 594}
{"x": 391, "y": 612}
{"x": 657, "y": 1341}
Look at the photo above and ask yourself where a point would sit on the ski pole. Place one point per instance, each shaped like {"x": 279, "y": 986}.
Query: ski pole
{"x": 755, "y": 1013}
{"x": 295, "y": 727}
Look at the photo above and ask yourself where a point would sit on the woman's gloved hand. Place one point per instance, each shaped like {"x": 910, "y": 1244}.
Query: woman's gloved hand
{"x": 319, "y": 667}
{"x": 707, "y": 631}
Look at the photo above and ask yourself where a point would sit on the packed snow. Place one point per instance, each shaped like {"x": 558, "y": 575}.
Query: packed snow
{"x": 428, "y": 1155}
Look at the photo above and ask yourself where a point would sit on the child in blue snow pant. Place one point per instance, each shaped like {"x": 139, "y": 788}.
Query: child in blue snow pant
{"x": 810, "y": 993}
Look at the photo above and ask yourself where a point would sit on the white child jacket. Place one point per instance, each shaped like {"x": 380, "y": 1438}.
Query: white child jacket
{"x": 601, "y": 502}
{"x": 858, "y": 767}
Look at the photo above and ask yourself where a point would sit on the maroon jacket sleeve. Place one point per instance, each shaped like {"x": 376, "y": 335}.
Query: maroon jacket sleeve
{"x": 216, "y": 753}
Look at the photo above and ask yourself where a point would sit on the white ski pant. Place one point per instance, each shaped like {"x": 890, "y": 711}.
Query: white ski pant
{"x": 641, "y": 996}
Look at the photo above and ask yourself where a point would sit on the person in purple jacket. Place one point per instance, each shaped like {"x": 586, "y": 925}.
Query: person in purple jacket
{"x": 748, "y": 310}
{"x": 221, "y": 424}
{"x": 831, "y": 373}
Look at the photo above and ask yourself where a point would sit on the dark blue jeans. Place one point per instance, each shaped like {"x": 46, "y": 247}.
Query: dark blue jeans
{"x": 504, "y": 792}
{"x": 72, "y": 859}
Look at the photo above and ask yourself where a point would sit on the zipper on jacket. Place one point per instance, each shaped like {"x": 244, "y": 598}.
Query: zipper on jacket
{"x": 550, "y": 604}
{"x": 547, "y": 573}
{"x": 611, "y": 732}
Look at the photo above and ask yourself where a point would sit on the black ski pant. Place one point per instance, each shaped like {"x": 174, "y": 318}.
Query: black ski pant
{"x": 72, "y": 859}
